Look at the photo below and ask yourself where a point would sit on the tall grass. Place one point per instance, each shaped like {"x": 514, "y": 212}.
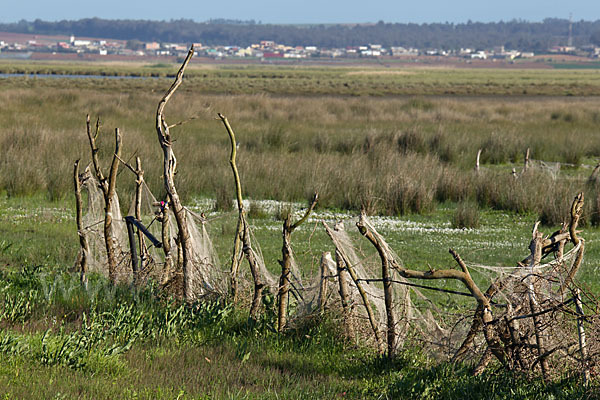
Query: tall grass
{"x": 393, "y": 155}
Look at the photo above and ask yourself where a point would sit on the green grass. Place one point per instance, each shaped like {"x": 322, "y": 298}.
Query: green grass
{"x": 357, "y": 80}
{"x": 587, "y": 65}
{"x": 59, "y": 341}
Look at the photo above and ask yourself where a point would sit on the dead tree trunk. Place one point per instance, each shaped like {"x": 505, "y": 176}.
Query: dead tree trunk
{"x": 242, "y": 236}
{"x": 235, "y": 258}
{"x": 361, "y": 291}
{"x": 344, "y": 294}
{"x": 259, "y": 285}
{"x": 477, "y": 160}
{"x": 83, "y": 243}
{"x": 536, "y": 257}
{"x": 108, "y": 218}
{"x": 139, "y": 181}
{"x": 387, "y": 287}
{"x": 322, "y": 299}
{"x": 576, "y": 211}
{"x": 286, "y": 263}
{"x": 164, "y": 219}
{"x": 108, "y": 186}
{"x": 169, "y": 169}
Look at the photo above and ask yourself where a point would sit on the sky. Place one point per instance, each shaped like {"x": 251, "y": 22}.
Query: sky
{"x": 307, "y": 11}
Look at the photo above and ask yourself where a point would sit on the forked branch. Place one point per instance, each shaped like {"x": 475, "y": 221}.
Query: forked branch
{"x": 169, "y": 168}
{"x": 108, "y": 188}
{"x": 286, "y": 262}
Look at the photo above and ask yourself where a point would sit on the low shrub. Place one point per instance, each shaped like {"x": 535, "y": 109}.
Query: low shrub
{"x": 466, "y": 215}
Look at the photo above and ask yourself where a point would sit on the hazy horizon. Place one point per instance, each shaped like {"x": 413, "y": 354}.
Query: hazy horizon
{"x": 308, "y": 12}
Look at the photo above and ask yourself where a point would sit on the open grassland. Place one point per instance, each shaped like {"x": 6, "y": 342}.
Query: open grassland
{"x": 409, "y": 160}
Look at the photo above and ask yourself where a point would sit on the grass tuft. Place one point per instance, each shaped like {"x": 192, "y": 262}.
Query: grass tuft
{"x": 466, "y": 215}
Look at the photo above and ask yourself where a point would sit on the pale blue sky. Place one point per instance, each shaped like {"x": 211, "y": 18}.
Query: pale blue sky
{"x": 307, "y": 11}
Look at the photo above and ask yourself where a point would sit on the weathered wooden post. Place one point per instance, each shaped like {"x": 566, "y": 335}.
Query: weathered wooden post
{"x": 133, "y": 249}
{"x": 242, "y": 236}
{"x": 139, "y": 182}
{"x": 581, "y": 334}
{"x": 83, "y": 243}
{"x": 363, "y": 294}
{"x": 344, "y": 291}
{"x": 108, "y": 187}
{"x": 387, "y": 288}
{"x": 324, "y": 269}
{"x": 169, "y": 168}
{"x": 536, "y": 256}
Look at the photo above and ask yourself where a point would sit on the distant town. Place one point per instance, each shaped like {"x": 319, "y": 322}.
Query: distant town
{"x": 24, "y": 46}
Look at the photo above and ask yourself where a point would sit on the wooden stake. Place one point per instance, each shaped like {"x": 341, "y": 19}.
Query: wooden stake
{"x": 526, "y": 161}
{"x": 139, "y": 181}
{"x": 536, "y": 256}
{"x": 169, "y": 168}
{"x": 235, "y": 257}
{"x": 242, "y": 236}
{"x": 286, "y": 263}
{"x": 325, "y": 257}
{"x": 582, "y": 341}
{"x": 344, "y": 294}
{"x": 83, "y": 243}
{"x": 361, "y": 291}
{"x": 108, "y": 187}
{"x": 163, "y": 218}
{"x": 387, "y": 290}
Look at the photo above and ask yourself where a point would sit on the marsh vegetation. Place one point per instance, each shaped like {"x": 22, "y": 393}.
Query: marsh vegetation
{"x": 409, "y": 161}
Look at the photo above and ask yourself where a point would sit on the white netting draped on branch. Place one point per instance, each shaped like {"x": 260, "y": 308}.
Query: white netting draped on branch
{"x": 207, "y": 275}
{"x": 532, "y": 321}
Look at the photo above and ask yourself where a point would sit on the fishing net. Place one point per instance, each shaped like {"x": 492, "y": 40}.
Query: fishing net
{"x": 206, "y": 275}
{"x": 93, "y": 229}
{"x": 533, "y": 308}
{"x": 367, "y": 269}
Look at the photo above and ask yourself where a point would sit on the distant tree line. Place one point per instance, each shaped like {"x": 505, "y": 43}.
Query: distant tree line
{"x": 516, "y": 34}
